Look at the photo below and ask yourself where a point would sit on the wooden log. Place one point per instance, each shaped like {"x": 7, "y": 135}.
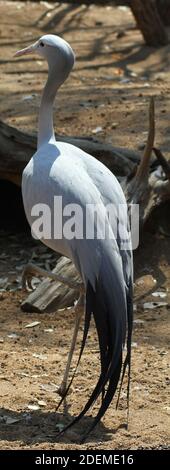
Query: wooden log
{"x": 50, "y": 295}
{"x": 16, "y": 149}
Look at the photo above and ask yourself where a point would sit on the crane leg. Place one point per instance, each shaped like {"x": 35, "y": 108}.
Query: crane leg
{"x": 31, "y": 270}
{"x": 79, "y": 308}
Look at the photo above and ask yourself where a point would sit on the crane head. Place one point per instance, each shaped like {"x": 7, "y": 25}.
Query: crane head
{"x": 53, "y": 48}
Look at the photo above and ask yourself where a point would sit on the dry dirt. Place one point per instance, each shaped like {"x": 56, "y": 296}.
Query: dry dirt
{"x": 109, "y": 88}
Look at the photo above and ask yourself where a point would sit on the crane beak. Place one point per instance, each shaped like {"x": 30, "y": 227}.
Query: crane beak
{"x": 27, "y": 50}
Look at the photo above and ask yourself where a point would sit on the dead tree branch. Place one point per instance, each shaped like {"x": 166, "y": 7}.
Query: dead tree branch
{"x": 16, "y": 149}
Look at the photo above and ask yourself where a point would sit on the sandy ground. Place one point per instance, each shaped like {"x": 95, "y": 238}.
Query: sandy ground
{"x": 109, "y": 88}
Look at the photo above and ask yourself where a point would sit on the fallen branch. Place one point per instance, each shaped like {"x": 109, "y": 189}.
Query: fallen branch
{"x": 163, "y": 162}
{"x": 16, "y": 149}
{"x": 149, "y": 188}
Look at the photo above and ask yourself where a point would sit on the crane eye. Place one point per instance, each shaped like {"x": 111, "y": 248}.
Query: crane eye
{"x": 41, "y": 44}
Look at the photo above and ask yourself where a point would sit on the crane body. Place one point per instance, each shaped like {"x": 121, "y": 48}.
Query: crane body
{"x": 59, "y": 169}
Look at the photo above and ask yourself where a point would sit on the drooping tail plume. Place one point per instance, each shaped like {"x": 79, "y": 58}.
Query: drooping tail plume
{"x": 110, "y": 303}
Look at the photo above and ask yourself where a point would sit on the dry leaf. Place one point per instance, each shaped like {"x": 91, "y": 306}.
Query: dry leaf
{"x": 31, "y": 325}
{"x": 42, "y": 403}
{"x": 159, "y": 294}
{"x": 138, "y": 321}
{"x": 40, "y": 356}
{"x": 49, "y": 387}
{"x": 153, "y": 305}
{"x": 48, "y": 330}
{"x": 97, "y": 130}
{"x": 33, "y": 407}
{"x": 13, "y": 336}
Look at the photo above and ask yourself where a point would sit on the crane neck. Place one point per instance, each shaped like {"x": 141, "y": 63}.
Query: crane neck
{"x": 45, "y": 122}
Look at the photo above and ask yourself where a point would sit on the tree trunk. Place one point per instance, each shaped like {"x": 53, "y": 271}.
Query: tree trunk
{"x": 163, "y": 7}
{"x": 149, "y": 22}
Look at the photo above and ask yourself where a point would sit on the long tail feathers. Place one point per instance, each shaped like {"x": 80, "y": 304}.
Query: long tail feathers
{"x": 127, "y": 362}
{"x": 111, "y": 327}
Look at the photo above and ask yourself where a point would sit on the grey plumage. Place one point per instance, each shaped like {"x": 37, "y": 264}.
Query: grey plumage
{"x": 105, "y": 264}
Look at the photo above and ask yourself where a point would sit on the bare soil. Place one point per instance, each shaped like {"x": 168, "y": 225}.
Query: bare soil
{"x": 109, "y": 89}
